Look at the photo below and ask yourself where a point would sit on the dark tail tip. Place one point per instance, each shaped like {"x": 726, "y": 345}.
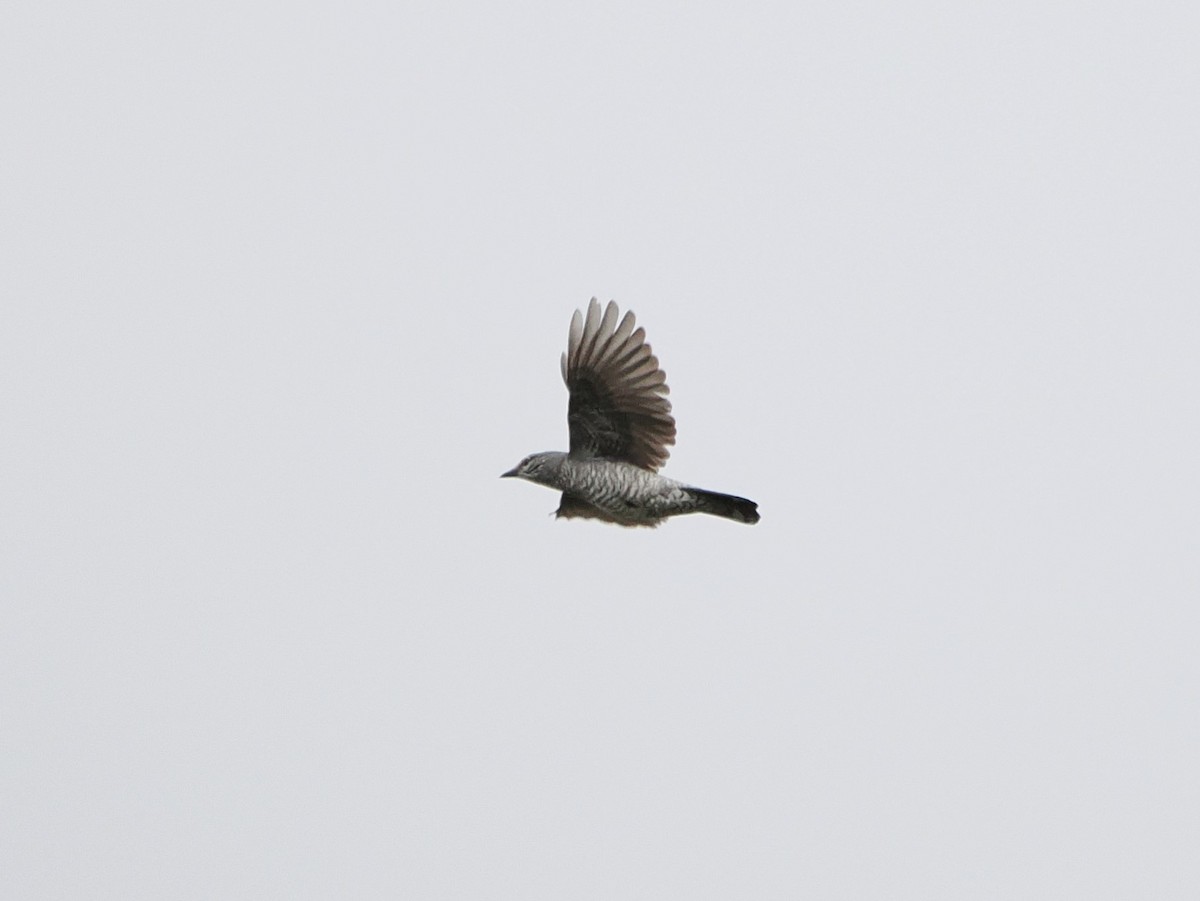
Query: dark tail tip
{"x": 729, "y": 506}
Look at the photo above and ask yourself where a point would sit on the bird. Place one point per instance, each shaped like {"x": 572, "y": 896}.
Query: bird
{"x": 621, "y": 427}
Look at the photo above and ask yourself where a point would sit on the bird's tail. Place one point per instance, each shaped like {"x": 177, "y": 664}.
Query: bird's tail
{"x": 726, "y": 505}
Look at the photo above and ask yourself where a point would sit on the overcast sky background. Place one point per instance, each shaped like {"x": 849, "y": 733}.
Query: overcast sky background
{"x": 284, "y": 288}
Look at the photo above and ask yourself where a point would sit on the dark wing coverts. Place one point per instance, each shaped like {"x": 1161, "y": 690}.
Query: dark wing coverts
{"x": 618, "y": 408}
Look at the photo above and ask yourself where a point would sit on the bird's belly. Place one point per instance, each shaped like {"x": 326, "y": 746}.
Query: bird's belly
{"x": 626, "y": 493}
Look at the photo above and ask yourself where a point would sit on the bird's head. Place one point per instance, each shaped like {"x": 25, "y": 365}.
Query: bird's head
{"x": 542, "y": 468}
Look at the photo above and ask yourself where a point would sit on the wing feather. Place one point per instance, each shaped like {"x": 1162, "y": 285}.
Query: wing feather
{"x": 618, "y": 408}
{"x": 572, "y": 507}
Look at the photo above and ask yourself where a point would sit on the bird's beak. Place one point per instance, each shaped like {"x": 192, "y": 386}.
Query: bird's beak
{"x": 511, "y": 473}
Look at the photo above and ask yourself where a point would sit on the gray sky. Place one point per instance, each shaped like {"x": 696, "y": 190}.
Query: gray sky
{"x": 284, "y": 289}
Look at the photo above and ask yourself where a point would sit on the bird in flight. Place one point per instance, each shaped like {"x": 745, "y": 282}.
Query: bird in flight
{"x": 621, "y": 425}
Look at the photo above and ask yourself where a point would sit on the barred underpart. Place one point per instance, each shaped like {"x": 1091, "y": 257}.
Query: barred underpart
{"x": 626, "y": 495}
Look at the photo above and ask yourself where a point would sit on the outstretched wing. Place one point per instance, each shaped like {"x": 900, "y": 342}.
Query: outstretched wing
{"x": 618, "y": 408}
{"x": 572, "y": 507}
